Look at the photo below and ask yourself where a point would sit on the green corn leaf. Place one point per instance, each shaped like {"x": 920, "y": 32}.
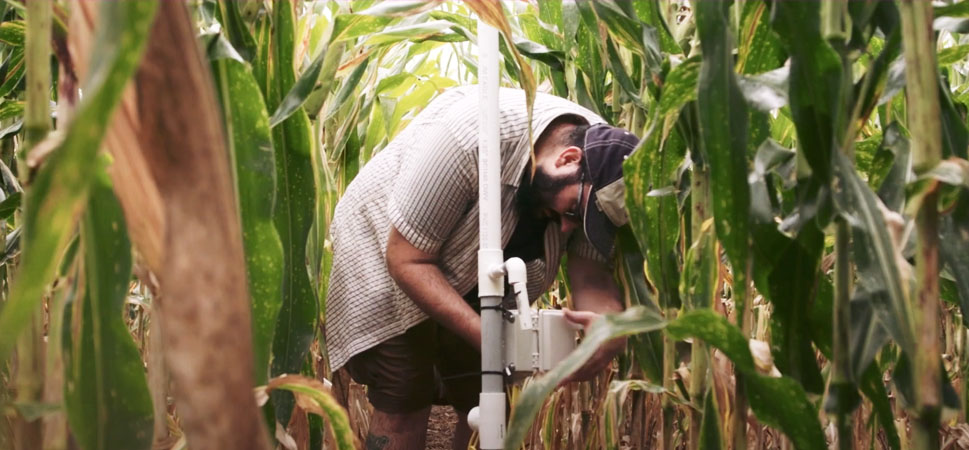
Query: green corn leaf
{"x": 12, "y": 33}
{"x": 868, "y": 335}
{"x": 758, "y": 48}
{"x": 541, "y": 53}
{"x": 710, "y": 437}
{"x": 873, "y": 387}
{"x": 680, "y": 86}
{"x": 650, "y": 172}
{"x": 261, "y": 67}
{"x": 815, "y": 81}
{"x": 251, "y": 151}
{"x": 795, "y": 415}
{"x": 293, "y": 215}
{"x": 647, "y": 347}
{"x": 402, "y": 8}
{"x": 778, "y": 402}
{"x": 723, "y": 128}
{"x": 632, "y": 321}
{"x": 895, "y": 154}
{"x": 698, "y": 285}
{"x": 416, "y": 31}
{"x": 621, "y": 76}
{"x": 627, "y": 30}
{"x": 716, "y": 331}
{"x": 300, "y": 90}
{"x": 956, "y": 9}
{"x": 570, "y": 25}
{"x": 792, "y": 287}
{"x": 237, "y": 30}
{"x": 351, "y": 26}
{"x": 9, "y": 205}
{"x": 955, "y": 133}
{"x": 874, "y": 252}
{"x": 905, "y": 385}
{"x": 875, "y": 81}
{"x": 349, "y": 86}
{"x": 955, "y": 252}
{"x": 550, "y": 11}
{"x": 61, "y": 185}
{"x": 327, "y": 76}
{"x": 105, "y": 392}
{"x": 11, "y": 110}
{"x": 589, "y": 57}
{"x": 649, "y": 13}
{"x": 13, "y": 70}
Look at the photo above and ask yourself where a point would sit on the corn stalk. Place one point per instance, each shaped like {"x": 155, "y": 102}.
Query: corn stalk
{"x": 923, "y": 107}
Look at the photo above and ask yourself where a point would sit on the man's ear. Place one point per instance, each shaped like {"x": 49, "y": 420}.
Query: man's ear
{"x": 570, "y": 155}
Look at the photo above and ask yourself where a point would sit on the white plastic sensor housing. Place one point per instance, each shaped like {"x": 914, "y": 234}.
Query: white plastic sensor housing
{"x": 541, "y": 347}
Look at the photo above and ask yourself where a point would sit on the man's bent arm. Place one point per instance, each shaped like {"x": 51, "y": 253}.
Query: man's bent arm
{"x": 593, "y": 290}
{"x": 593, "y": 287}
{"x": 419, "y": 276}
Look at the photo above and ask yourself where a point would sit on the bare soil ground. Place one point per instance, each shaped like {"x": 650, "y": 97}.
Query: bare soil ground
{"x": 440, "y": 427}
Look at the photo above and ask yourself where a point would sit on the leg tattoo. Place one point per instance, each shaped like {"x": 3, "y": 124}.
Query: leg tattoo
{"x": 375, "y": 442}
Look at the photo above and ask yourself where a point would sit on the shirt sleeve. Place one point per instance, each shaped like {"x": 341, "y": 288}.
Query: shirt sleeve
{"x": 579, "y": 245}
{"x": 437, "y": 186}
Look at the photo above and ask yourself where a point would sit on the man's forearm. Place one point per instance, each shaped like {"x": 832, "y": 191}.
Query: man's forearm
{"x": 419, "y": 276}
{"x": 427, "y": 287}
{"x": 593, "y": 288}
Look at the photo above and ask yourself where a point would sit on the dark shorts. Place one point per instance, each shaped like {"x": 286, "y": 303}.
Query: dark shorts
{"x": 426, "y": 365}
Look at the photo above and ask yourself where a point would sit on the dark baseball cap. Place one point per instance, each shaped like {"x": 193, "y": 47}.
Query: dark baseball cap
{"x": 606, "y": 147}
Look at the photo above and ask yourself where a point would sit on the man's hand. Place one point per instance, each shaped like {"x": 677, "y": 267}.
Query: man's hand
{"x": 601, "y": 359}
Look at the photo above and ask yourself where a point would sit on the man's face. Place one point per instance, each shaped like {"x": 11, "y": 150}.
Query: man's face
{"x": 562, "y": 198}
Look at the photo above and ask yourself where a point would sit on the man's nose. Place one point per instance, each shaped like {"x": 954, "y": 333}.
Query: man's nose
{"x": 567, "y": 226}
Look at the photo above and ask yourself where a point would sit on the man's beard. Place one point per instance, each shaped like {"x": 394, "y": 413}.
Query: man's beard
{"x": 539, "y": 194}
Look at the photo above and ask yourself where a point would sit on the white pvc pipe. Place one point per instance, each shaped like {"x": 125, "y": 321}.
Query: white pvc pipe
{"x": 491, "y": 407}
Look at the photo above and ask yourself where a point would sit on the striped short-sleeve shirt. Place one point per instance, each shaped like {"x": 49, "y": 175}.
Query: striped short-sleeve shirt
{"x": 425, "y": 184}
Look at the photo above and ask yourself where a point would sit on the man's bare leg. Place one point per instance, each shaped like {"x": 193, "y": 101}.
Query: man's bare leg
{"x": 462, "y": 433}
{"x": 404, "y": 431}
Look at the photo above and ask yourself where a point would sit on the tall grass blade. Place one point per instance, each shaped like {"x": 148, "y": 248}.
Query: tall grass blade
{"x": 61, "y": 185}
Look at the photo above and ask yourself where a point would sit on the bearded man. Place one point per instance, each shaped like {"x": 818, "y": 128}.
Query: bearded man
{"x": 402, "y": 307}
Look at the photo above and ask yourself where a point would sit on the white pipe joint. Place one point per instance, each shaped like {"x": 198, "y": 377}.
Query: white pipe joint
{"x": 491, "y": 281}
{"x": 518, "y": 280}
{"x": 490, "y": 416}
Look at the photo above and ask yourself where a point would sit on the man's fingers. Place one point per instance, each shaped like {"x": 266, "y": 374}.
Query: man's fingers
{"x": 583, "y": 318}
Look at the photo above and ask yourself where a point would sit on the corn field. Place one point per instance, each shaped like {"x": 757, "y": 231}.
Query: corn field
{"x": 796, "y": 272}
